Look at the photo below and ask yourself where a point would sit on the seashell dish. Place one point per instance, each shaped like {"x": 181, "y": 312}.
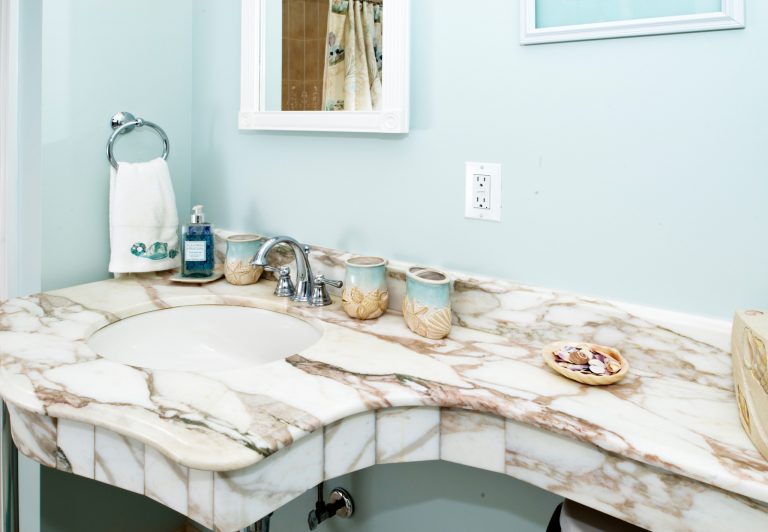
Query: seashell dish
{"x": 592, "y": 364}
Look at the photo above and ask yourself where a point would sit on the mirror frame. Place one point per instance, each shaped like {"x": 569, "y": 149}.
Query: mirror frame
{"x": 394, "y": 116}
{"x": 731, "y": 16}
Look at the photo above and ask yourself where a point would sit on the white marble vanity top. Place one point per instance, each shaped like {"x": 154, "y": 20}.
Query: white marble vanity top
{"x": 675, "y": 411}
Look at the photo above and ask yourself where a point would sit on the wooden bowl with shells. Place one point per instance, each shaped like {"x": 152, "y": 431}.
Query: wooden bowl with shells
{"x": 596, "y": 365}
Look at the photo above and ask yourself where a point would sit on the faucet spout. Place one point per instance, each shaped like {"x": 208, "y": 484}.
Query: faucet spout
{"x": 303, "y": 269}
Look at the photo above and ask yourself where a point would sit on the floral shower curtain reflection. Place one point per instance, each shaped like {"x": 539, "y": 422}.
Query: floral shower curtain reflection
{"x": 353, "y": 60}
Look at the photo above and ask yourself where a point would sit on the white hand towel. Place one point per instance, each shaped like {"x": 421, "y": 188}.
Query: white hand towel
{"x": 143, "y": 222}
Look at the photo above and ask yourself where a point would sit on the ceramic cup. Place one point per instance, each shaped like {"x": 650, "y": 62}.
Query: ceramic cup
{"x": 427, "y": 303}
{"x": 240, "y": 252}
{"x": 365, "y": 294}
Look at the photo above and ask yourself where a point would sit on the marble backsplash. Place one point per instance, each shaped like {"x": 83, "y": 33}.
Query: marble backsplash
{"x": 526, "y": 315}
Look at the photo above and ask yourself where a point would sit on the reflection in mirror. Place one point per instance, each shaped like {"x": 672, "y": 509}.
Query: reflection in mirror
{"x": 323, "y": 55}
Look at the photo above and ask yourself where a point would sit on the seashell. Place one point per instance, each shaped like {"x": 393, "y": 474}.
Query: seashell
{"x": 439, "y": 324}
{"x": 743, "y": 410}
{"x": 364, "y": 306}
{"x": 604, "y": 366}
{"x": 613, "y": 365}
{"x": 412, "y": 317}
{"x": 749, "y": 349}
{"x": 241, "y": 273}
{"x": 435, "y": 325}
{"x": 760, "y": 361}
{"x": 610, "y": 364}
{"x": 356, "y": 295}
{"x": 764, "y": 382}
{"x": 384, "y": 301}
{"x": 575, "y": 367}
{"x": 366, "y": 309}
{"x": 597, "y": 367}
{"x": 578, "y": 357}
{"x": 574, "y": 356}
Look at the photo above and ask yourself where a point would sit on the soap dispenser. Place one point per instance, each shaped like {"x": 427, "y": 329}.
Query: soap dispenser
{"x": 197, "y": 257}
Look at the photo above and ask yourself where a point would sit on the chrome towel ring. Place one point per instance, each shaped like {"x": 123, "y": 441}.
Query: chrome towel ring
{"x": 124, "y": 122}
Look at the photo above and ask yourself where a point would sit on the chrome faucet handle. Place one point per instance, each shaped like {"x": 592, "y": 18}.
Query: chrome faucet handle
{"x": 321, "y": 279}
{"x": 320, "y": 297}
{"x": 284, "y": 286}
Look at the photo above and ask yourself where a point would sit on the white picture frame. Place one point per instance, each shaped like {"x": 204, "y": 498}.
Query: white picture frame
{"x": 731, "y": 16}
{"x": 394, "y": 116}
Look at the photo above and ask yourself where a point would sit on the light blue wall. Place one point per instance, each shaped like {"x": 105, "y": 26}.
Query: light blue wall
{"x": 99, "y": 58}
{"x": 633, "y": 168}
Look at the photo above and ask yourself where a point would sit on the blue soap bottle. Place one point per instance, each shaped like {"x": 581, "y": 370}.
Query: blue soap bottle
{"x": 197, "y": 257}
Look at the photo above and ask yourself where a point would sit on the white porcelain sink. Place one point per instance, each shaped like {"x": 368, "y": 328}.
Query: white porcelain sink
{"x": 203, "y": 338}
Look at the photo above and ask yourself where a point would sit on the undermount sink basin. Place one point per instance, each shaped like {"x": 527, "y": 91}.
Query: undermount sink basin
{"x": 203, "y": 338}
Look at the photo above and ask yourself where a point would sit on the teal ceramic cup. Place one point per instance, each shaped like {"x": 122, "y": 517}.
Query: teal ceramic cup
{"x": 427, "y": 302}
{"x": 240, "y": 252}
{"x": 365, "y": 294}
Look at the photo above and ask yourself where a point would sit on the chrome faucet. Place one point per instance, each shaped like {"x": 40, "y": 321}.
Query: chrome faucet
{"x": 309, "y": 289}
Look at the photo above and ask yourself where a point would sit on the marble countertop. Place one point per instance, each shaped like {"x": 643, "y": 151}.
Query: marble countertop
{"x": 675, "y": 410}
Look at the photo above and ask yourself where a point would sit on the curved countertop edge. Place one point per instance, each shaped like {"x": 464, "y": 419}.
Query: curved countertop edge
{"x": 607, "y": 482}
{"x": 24, "y": 397}
{"x": 206, "y": 462}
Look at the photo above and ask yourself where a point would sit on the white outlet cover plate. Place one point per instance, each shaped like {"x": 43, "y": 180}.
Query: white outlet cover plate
{"x": 493, "y": 171}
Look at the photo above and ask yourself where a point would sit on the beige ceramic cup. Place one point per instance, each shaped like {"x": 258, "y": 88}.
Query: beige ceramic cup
{"x": 240, "y": 252}
{"x": 365, "y": 294}
{"x": 427, "y": 302}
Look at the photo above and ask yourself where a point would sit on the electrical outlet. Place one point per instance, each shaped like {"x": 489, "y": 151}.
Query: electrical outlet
{"x": 481, "y": 182}
{"x": 483, "y": 191}
{"x": 480, "y": 192}
{"x": 481, "y": 200}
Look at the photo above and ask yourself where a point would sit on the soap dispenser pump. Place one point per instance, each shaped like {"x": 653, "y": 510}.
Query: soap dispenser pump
{"x": 197, "y": 257}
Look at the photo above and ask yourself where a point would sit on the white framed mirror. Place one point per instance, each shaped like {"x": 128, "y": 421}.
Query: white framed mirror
{"x": 546, "y": 21}
{"x": 325, "y": 65}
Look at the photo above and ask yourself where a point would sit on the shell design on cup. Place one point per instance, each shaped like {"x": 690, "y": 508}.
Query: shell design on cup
{"x": 365, "y": 295}
{"x": 427, "y": 303}
{"x": 237, "y": 266}
{"x": 756, "y": 359}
